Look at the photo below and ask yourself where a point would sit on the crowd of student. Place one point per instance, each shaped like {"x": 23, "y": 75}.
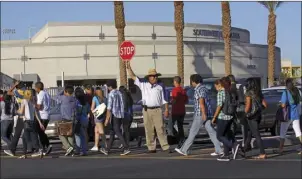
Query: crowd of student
{"x": 79, "y": 107}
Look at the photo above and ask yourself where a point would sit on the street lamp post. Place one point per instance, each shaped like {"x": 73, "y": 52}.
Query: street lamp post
{"x": 8, "y": 31}
{"x": 30, "y": 28}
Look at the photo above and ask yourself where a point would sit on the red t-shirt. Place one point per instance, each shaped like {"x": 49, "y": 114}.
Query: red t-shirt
{"x": 180, "y": 95}
{"x": 1, "y": 99}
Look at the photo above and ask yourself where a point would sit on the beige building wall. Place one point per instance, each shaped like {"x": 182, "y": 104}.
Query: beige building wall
{"x": 49, "y": 57}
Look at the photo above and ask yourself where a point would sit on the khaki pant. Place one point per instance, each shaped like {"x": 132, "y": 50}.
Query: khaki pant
{"x": 153, "y": 119}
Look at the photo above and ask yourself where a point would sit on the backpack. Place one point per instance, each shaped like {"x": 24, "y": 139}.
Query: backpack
{"x": 230, "y": 104}
{"x": 127, "y": 101}
{"x": 241, "y": 96}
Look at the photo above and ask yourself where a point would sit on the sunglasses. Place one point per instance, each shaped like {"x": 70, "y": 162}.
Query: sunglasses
{"x": 155, "y": 76}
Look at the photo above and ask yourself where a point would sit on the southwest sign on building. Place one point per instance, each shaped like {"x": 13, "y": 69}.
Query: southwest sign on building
{"x": 213, "y": 33}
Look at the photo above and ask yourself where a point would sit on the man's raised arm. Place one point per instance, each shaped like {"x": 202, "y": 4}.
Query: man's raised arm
{"x": 130, "y": 72}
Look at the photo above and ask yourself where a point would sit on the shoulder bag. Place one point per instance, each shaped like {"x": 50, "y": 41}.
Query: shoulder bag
{"x": 255, "y": 109}
{"x": 283, "y": 113}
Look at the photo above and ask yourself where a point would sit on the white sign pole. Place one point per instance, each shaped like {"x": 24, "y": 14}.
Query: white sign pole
{"x": 62, "y": 78}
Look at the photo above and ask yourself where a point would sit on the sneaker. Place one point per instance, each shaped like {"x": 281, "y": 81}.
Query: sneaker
{"x": 37, "y": 154}
{"x": 9, "y": 152}
{"x": 94, "y": 148}
{"x": 223, "y": 158}
{"x": 235, "y": 148}
{"x": 23, "y": 157}
{"x": 214, "y": 154}
{"x": 48, "y": 150}
{"x": 83, "y": 154}
{"x": 121, "y": 146}
{"x": 125, "y": 152}
{"x": 180, "y": 152}
{"x": 104, "y": 151}
{"x": 69, "y": 151}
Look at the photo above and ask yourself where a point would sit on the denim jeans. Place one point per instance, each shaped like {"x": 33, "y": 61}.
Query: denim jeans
{"x": 128, "y": 118}
{"x": 6, "y": 130}
{"x": 116, "y": 130}
{"x": 80, "y": 138}
{"x": 44, "y": 141}
{"x": 197, "y": 123}
{"x": 225, "y": 134}
{"x": 30, "y": 137}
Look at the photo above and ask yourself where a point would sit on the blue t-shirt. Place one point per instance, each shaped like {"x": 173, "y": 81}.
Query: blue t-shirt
{"x": 97, "y": 101}
{"x": 293, "y": 108}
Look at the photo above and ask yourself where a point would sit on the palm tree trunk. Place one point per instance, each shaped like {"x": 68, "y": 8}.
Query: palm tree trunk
{"x": 226, "y": 30}
{"x": 179, "y": 27}
{"x": 271, "y": 41}
{"x": 120, "y": 26}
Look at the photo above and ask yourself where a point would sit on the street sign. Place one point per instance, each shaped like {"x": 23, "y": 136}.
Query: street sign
{"x": 127, "y": 50}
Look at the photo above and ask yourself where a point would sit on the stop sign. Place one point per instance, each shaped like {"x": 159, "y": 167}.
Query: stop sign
{"x": 127, "y": 50}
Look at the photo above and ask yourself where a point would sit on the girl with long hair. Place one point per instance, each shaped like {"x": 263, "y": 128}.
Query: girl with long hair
{"x": 81, "y": 123}
{"x": 292, "y": 97}
{"x": 30, "y": 134}
{"x": 97, "y": 100}
{"x": 7, "y": 113}
{"x": 254, "y": 103}
{"x": 224, "y": 122}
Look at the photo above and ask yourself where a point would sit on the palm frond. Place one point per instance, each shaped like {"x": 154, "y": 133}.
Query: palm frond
{"x": 271, "y": 5}
{"x": 279, "y": 4}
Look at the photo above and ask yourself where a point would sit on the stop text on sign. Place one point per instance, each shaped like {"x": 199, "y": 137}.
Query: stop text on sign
{"x": 127, "y": 50}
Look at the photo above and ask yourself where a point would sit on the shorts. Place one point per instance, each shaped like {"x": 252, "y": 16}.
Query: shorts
{"x": 100, "y": 119}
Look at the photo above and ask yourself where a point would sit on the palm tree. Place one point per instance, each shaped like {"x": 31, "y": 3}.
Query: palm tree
{"x": 271, "y": 37}
{"x": 120, "y": 24}
{"x": 226, "y": 31}
{"x": 179, "y": 27}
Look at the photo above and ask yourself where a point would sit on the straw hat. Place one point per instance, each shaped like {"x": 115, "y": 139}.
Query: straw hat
{"x": 153, "y": 72}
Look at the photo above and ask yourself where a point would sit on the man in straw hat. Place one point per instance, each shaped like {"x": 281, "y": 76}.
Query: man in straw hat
{"x": 153, "y": 99}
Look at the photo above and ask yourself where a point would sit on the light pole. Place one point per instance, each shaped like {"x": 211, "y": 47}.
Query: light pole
{"x": 8, "y": 31}
{"x": 29, "y": 32}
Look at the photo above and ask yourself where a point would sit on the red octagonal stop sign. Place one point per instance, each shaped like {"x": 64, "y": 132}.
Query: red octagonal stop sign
{"x": 127, "y": 50}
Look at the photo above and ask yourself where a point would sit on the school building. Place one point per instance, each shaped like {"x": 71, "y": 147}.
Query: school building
{"x": 87, "y": 52}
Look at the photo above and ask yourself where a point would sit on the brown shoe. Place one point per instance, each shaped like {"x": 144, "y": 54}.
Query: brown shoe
{"x": 151, "y": 151}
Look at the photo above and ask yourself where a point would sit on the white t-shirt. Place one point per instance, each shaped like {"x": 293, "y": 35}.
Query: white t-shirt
{"x": 29, "y": 110}
{"x": 43, "y": 99}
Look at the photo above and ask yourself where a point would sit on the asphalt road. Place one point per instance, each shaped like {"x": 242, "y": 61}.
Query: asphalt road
{"x": 138, "y": 164}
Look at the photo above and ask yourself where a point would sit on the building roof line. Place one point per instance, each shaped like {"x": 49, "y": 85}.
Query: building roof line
{"x": 197, "y": 25}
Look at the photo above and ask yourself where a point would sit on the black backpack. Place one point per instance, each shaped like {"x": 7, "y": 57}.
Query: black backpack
{"x": 127, "y": 100}
{"x": 241, "y": 96}
{"x": 230, "y": 104}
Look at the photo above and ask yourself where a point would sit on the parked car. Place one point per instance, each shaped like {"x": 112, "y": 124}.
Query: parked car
{"x": 273, "y": 95}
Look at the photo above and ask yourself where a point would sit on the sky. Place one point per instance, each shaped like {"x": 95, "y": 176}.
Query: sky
{"x": 248, "y": 15}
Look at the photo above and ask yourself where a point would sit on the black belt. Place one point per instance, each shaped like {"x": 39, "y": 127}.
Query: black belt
{"x": 149, "y": 107}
